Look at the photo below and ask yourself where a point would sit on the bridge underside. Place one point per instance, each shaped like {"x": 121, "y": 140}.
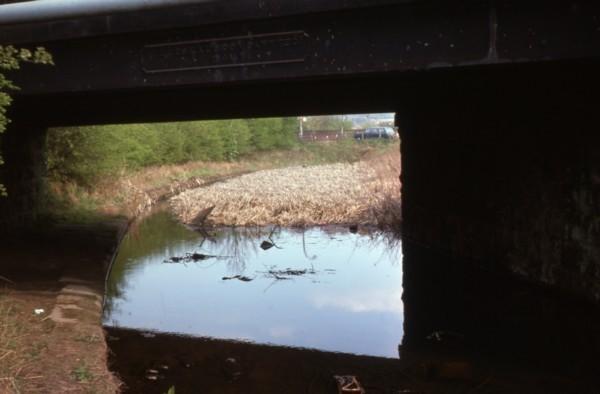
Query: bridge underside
{"x": 501, "y": 165}
{"x": 500, "y": 158}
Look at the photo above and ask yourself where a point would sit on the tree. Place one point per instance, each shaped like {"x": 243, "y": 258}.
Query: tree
{"x": 263, "y": 131}
{"x": 328, "y": 122}
{"x": 86, "y": 155}
{"x": 11, "y": 59}
{"x": 236, "y": 138}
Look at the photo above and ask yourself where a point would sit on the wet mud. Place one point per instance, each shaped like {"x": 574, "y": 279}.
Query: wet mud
{"x": 153, "y": 362}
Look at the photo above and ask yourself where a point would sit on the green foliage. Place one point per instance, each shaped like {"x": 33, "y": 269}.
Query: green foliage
{"x": 86, "y": 155}
{"x": 11, "y": 59}
{"x": 171, "y": 143}
{"x": 171, "y": 390}
{"x": 289, "y": 129}
{"x": 83, "y": 154}
{"x": 273, "y": 133}
{"x": 261, "y": 130}
{"x": 328, "y": 122}
{"x": 82, "y": 373}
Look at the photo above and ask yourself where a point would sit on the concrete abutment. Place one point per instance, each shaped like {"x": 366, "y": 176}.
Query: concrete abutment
{"x": 501, "y": 213}
{"x": 23, "y": 172}
{"x": 507, "y": 176}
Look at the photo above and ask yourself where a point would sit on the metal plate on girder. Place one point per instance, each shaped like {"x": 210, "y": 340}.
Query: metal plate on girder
{"x": 237, "y": 51}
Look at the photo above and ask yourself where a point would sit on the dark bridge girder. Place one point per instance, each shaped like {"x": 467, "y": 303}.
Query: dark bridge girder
{"x": 497, "y": 104}
{"x": 387, "y": 92}
{"x": 211, "y": 44}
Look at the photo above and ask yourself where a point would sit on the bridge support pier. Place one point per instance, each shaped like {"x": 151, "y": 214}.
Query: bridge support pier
{"x": 501, "y": 178}
{"x": 23, "y": 150}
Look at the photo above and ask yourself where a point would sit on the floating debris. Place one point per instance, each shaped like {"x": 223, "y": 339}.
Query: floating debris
{"x": 232, "y": 369}
{"x": 238, "y": 277}
{"x": 292, "y": 272}
{"x": 453, "y": 370}
{"x": 442, "y": 336}
{"x": 201, "y": 216}
{"x": 191, "y": 257}
{"x": 287, "y": 273}
{"x": 348, "y": 384}
{"x": 153, "y": 374}
{"x": 446, "y": 341}
{"x": 266, "y": 245}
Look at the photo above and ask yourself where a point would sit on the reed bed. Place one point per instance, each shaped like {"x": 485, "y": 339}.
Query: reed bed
{"x": 365, "y": 193}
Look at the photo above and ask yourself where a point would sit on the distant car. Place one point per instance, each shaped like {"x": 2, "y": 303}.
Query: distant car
{"x": 375, "y": 132}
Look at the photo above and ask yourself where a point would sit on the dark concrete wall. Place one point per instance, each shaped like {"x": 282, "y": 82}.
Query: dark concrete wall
{"x": 23, "y": 172}
{"x": 503, "y": 171}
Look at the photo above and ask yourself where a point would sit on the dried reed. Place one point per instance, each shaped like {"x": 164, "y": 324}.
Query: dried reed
{"x": 366, "y": 192}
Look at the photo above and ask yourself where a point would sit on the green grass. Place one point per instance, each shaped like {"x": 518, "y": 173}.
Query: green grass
{"x": 82, "y": 373}
{"x": 346, "y": 150}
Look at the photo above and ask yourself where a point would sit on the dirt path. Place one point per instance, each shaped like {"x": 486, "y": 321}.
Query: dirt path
{"x": 51, "y": 337}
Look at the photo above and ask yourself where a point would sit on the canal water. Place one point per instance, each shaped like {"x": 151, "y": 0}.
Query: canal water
{"x": 280, "y": 310}
{"x": 322, "y": 288}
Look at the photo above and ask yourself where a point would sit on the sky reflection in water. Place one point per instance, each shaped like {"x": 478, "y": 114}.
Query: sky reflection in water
{"x": 352, "y": 303}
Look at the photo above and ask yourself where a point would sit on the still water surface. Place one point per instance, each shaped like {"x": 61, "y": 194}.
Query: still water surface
{"x": 322, "y": 288}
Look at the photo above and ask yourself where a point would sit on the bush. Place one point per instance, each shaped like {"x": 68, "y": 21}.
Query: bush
{"x": 85, "y": 155}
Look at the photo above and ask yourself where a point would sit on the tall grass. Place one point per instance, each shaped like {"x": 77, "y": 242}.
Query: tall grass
{"x": 130, "y": 192}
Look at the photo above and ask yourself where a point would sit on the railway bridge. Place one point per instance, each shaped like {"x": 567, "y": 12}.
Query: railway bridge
{"x": 496, "y": 102}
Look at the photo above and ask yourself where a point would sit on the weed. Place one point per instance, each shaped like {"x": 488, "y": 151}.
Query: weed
{"x": 36, "y": 349}
{"x": 171, "y": 390}
{"x": 87, "y": 338}
{"x": 17, "y": 354}
{"x": 82, "y": 373}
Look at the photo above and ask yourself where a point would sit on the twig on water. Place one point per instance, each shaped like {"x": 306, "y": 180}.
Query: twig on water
{"x": 193, "y": 257}
{"x": 271, "y": 235}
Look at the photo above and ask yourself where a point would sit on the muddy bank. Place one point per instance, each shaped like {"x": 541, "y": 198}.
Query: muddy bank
{"x": 151, "y": 363}
{"x": 360, "y": 193}
{"x": 50, "y": 308}
{"x": 203, "y": 365}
